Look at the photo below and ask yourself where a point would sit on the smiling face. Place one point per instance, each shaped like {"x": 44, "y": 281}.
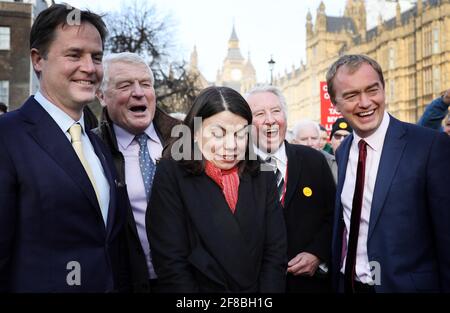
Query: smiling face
{"x": 360, "y": 97}
{"x": 71, "y": 72}
{"x": 129, "y": 96}
{"x": 269, "y": 121}
{"x": 223, "y": 139}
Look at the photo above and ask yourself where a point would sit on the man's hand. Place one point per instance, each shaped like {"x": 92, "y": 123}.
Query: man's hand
{"x": 303, "y": 263}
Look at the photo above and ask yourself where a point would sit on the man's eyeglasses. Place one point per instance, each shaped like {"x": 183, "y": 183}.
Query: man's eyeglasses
{"x": 339, "y": 136}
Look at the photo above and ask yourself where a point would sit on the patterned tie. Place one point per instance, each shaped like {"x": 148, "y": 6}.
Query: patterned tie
{"x": 146, "y": 164}
{"x": 355, "y": 219}
{"x": 278, "y": 175}
{"x": 75, "y": 135}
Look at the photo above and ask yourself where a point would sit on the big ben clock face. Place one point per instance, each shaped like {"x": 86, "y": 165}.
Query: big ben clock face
{"x": 236, "y": 74}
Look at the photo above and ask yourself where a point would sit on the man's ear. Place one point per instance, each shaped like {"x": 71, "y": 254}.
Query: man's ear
{"x": 36, "y": 60}
{"x": 101, "y": 97}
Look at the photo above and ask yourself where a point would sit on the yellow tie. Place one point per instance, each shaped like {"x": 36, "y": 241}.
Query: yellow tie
{"x": 75, "y": 134}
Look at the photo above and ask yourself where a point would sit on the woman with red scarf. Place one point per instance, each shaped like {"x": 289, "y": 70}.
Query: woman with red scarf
{"x": 214, "y": 222}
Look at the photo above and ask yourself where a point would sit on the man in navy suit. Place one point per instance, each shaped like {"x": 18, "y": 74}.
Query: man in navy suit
{"x": 60, "y": 205}
{"x": 392, "y": 218}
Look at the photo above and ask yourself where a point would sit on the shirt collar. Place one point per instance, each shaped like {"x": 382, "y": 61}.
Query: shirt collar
{"x": 125, "y": 138}
{"x": 279, "y": 155}
{"x": 376, "y": 140}
{"x": 61, "y": 118}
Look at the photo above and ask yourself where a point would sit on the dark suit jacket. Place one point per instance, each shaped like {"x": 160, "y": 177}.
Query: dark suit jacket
{"x": 138, "y": 264}
{"x": 409, "y": 227}
{"x": 198, "y": 245}
{"x": 49, "y": 214}
{"x": 308, "y": 219}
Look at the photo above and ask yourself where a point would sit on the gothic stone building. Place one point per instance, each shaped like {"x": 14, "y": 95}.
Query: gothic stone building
{"x": 413, "y": 49}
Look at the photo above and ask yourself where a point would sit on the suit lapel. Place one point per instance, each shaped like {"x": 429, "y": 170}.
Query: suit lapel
{"x": 109, "y": 177}
{"x": 293, "y": 173}
{"x": 393, "y": 147}
{"x": 49, "y": 136}
{"x": 342, "y": 160}
{"x": 338, "y": 222}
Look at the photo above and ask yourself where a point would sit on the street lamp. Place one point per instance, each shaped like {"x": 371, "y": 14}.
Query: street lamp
{"x": 271, "y": 67}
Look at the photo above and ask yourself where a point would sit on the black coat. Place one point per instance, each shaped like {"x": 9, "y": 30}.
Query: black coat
{"x": 137, "y": 262}
{"x": 198, "y": 245}
{"x": 308, "y": 218}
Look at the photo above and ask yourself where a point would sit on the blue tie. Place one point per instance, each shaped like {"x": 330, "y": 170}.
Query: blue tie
{"x": 146, "y": 164}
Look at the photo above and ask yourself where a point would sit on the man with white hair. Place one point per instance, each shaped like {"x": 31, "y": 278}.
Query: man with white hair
{"x": 306, "y": 191}
{"x": 307, "y": 133}
{"x": 135, "y": 131}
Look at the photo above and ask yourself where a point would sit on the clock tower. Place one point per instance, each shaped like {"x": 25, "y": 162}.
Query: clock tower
{"x": 235, "y": 69}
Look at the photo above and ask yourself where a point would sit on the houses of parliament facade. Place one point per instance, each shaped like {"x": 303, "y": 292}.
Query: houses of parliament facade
{"x": 413, "y": 49}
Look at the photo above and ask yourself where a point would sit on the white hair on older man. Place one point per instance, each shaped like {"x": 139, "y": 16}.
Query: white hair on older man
{"x": 307, "y": 132}
{"x": 272, "y": 89}
{"x": 123, "y": 57}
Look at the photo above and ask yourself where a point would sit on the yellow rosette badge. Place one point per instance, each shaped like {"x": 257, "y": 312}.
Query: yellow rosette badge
{"x": 343, "y": 125}
{"x": 307, "y": 192}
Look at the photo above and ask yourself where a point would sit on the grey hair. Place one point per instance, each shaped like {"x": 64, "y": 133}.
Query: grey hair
{"x": 124, "y": 57}
{"x": 272, "y": 89}
{"x": 305, "y": 124}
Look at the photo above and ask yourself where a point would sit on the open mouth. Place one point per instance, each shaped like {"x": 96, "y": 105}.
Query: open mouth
{"x": 366, "y": 113}
{"x": 271, "y": 132}
{"x": 138, "y": 108}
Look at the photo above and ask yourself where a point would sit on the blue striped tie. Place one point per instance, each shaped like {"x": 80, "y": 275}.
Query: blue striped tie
{"x": 148, "y": 168}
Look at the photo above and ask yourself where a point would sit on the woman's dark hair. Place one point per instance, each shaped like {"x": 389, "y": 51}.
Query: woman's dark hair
{"x": 209, "y": 102}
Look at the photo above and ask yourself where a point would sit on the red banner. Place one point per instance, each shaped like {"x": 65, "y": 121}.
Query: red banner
{"x": 328, "y": 114}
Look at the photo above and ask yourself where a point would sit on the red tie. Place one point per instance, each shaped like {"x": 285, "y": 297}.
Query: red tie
{"x": 355, "y": 218}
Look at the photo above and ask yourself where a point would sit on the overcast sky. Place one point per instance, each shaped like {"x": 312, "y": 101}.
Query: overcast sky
{"x": 264, "y": 28}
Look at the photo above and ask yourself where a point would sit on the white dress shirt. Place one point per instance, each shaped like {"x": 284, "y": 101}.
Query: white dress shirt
{"x": 374, "y": 149}
{"x": 135, "y": 184}
{"x": 64, "y": 121}
{"x": 279, "y": 156}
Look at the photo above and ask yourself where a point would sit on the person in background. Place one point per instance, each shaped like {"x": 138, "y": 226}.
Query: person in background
{"x": 308, "y": 133}
{"x": 340, "y": 129}
{"x": 436, "y": 112}
{"x": 324, "y": 144}
{"x": 214, "y": 222}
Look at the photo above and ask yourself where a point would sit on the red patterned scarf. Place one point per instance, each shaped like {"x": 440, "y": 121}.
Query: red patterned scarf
{"x": 228, "y": 181}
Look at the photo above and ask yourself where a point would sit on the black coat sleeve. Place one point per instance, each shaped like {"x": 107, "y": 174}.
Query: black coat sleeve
{"x": 167, "y": 231}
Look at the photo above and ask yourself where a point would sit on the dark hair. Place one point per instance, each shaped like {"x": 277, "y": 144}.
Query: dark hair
{"x": 353, "y": 62}
{"x": 3, "y": 107}
{"x": 209, "y": 102}
{"x": 44, "y": 27}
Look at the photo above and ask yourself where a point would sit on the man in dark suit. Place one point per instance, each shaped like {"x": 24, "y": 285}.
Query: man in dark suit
{"x": 129, "y": 102}
{"x": 306, "y": 191}
{"x": 60, "y": 210}
{"x": 392, "y": 219}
